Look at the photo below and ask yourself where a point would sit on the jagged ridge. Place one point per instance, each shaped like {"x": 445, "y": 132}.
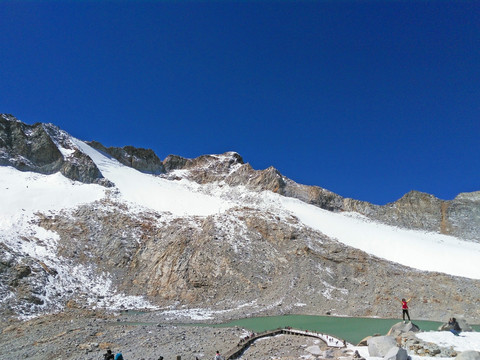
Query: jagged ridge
{"x": 45, "y": 149}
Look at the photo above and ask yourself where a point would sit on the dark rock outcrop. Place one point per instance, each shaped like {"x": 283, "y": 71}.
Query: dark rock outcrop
{"x": 28, "y": 147}
{"x": 38, "y": 148}
{"x": 144, "y": 160}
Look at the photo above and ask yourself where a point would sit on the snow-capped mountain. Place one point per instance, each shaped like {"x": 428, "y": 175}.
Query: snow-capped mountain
{"x": 82, "y": 225}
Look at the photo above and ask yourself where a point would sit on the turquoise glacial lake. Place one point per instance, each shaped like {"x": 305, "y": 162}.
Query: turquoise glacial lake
{"x": 351, "y": 329}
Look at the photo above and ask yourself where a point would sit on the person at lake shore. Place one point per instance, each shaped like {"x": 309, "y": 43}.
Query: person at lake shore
{"x": 218, "y": 356}
{"x": 405, "y": 309}
{"x": 455, "y": 328}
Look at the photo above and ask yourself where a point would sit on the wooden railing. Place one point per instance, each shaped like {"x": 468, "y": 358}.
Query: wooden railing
{"x": 243, "y": 345}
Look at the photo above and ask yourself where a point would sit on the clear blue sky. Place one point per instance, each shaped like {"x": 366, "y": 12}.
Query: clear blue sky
{"x": 369, "y": 99}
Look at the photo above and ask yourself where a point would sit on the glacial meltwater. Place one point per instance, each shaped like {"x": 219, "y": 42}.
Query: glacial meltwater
{"x": 353, "y": 330}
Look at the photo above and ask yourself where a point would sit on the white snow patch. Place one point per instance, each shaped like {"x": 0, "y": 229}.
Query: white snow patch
{"x": 28, "y": 192}
{"x": 300, "y": 304}
{"x": 182, "y": 198}
{"x": 467, "y": 341}
{"x": 327, "y": 292}
{"x": 426, "y": 251}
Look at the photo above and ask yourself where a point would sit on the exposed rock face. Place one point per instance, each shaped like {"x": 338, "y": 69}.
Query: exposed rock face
{"x": 144, "y": 160}
{"x": 38, "y": 147}
{"x": 28, "y": 148}
{"x": 458, "y": 217}
{"x": 222, "y": 262}
{"x": 416, "y": 210}
{"x": 230, "y": 169}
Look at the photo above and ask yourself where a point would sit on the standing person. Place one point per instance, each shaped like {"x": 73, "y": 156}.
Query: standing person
{"x": 405, "y": 309}
{"x": 218, "y": 356}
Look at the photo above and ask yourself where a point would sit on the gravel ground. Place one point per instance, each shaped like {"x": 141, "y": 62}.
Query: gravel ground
{"x": 87, "y": 336}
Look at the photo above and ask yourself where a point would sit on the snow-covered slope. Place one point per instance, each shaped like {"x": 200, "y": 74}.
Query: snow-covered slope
{"x": 54, "y": 254}
{"x": 416, "y": 249}
{"x": 25, "y": 193}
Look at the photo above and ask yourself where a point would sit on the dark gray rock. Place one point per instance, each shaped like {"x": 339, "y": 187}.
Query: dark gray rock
{"x": 396, "y": 353}
{"x": 36, "y": 148}
{"x": 144, "y": 160}
{"x": 28, "y": 147}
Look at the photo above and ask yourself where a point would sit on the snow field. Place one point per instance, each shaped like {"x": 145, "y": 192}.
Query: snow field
{"x": 467, "y": 341}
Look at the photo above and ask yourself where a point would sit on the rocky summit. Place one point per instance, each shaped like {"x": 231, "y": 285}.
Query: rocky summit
{"x": 213, "y": 243}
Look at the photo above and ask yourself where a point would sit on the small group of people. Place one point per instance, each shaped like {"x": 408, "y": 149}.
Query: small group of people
{"x": 452, "y": 322}
{"x": 109, "y": 355}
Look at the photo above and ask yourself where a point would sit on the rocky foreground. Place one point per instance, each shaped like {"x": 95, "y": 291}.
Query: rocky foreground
{"x": 80, "y": 334}
{"x": 87, "y": 336}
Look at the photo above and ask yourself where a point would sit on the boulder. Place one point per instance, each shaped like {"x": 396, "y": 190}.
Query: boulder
{"x": 364, "y": 341}
{"x": 468, "y": 355}
{"x": 329, "y": 354}
{"x": 380, "y": 345}
{"x": 314, "y": 350}
{"x": 400, "y": 328}
{"x": 396, "y": 353}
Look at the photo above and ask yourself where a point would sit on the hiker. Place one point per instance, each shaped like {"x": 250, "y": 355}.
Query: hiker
{"x": 119, "y": 356}
{"x": 218, "y": 356}
{"x": 108, "y": 355}
{"x": 455, "y": 328}
{"x": 405, "y": 309}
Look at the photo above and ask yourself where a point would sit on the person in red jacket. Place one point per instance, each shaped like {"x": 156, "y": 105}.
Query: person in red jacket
{"x": 405, "y": 309}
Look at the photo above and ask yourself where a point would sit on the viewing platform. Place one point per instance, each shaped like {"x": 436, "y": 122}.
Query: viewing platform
{"x": 243, "y": 345}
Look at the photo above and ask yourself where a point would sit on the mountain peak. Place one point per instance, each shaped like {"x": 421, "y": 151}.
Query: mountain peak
{"x": 45, "y": 149}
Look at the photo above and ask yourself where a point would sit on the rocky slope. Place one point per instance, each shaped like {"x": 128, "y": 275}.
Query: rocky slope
{"x": 459, "y": 217}
{"x": 236, "y": 263}
{"x": 45, "y": 149}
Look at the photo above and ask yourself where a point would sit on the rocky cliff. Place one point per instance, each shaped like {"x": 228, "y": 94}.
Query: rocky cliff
{"x": 144, "y": 160}
{"x": 415, "y": 210}
{"x": 45, "y": 149}
{"x": 237, "y": 264}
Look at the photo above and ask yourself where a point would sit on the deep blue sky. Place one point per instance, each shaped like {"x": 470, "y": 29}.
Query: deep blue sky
{"x": 368, "y": 99}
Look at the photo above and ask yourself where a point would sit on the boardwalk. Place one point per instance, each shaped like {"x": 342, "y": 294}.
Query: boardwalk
{"x": 243, "y": 345}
